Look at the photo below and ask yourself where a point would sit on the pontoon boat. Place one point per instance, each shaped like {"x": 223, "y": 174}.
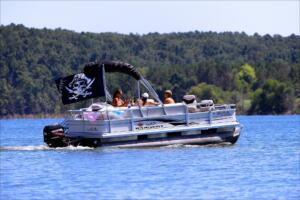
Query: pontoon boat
{"x": 101, "y": 124}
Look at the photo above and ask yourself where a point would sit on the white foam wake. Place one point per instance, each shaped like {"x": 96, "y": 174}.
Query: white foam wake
{"x": 73, "y": 148}
{"x": 41, "y": 148}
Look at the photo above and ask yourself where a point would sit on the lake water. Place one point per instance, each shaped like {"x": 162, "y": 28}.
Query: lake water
{"x": 263, "y": 164}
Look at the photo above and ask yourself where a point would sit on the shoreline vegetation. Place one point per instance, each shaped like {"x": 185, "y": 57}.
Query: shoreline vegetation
{"x": 31, "y": 116}
{"x": 258, "y": 73}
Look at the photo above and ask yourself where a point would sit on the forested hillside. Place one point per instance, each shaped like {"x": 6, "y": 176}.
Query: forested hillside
{"x": 259, "y": 73}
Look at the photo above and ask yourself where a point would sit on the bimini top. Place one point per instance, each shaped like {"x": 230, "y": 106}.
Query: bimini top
{"x": 112, "y": 66}
{"x": 91, "y": 83}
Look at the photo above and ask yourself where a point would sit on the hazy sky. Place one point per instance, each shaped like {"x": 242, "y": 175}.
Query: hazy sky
{"x": 272, "y": 17}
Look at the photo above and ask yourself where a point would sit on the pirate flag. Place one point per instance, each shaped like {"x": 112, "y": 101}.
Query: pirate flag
{"x": 81, "y": 86}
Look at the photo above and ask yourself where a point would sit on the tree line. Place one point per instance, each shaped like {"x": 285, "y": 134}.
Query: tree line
{"x": 258, "y": 73}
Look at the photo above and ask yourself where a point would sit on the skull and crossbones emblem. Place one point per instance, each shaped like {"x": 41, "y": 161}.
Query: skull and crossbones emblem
{"x": 79, "y": 86}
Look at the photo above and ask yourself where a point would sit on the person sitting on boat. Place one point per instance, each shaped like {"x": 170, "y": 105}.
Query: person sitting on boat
{"x": 168, "y": 97}
{"x": 117, "y": 100}
{"x": 145, "y": 101}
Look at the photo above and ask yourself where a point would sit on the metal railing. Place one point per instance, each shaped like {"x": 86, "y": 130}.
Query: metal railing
{"x": 104, "y": 115}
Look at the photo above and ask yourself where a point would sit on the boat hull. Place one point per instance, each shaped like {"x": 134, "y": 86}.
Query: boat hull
{"x": 161, "y": 138}
{"x": 200, "y": 139}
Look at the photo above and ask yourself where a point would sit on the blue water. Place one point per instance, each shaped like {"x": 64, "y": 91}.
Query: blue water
{"x": 263, "y": 164}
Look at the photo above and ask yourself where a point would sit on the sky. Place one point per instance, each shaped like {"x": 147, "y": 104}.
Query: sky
{"x": 141, "y": 17}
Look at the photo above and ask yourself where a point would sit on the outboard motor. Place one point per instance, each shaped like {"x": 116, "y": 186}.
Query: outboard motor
{"x": 54, "y": 136}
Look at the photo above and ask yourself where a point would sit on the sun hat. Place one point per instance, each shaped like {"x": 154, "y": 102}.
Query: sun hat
{"x": 145, "y": 95}
{"x": 168, "y": 92}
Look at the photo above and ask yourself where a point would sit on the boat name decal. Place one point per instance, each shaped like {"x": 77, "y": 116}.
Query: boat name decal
{"x": 149, "y": 127}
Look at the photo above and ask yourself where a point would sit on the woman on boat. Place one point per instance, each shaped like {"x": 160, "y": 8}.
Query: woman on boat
{"x": 117, "y": 100}
{"x": 148, "y": 102}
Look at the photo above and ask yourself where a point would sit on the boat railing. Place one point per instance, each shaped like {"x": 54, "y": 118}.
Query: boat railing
{"x": 225, "y": 106}
{"x": 136, "y": 112}
{"x": 129, "y": 115}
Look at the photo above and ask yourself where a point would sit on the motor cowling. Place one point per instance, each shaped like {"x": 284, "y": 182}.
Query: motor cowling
{"x": 54, "y": 135}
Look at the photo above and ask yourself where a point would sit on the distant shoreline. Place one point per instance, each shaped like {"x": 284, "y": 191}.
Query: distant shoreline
{"x": 32, "y": 116}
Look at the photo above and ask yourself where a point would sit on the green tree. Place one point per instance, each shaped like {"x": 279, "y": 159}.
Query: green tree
{"x": 244, "y": 80}
{"x": 207, "y": 91}
{"x": 273, "y": 98}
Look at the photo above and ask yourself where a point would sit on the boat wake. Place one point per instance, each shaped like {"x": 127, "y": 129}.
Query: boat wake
{"x": 42, "y": 148}
{"x": 80, "y": 148}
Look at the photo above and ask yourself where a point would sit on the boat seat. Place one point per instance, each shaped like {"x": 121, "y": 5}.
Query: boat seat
{"x": 191, "y": 103}
{"x": 206, "y": 105}
{"x": 189, "y": 99}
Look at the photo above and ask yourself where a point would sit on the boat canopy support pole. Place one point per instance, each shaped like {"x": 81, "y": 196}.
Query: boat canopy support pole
{"x": 164, "y": 109}
{"x": 104, "y": 84}
{"x": 138, "y": 90}
{"x": 139, "y": 96}
{"x": 140, "y": 109}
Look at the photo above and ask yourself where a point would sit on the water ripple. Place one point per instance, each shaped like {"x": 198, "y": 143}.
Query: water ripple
{"x": 263, "y": 164}
{"x": 43, "y": 148}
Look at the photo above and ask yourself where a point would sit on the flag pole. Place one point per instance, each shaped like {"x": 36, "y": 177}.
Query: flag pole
{"x": 104, "y": 82}
{"x": 104, "y": 85}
